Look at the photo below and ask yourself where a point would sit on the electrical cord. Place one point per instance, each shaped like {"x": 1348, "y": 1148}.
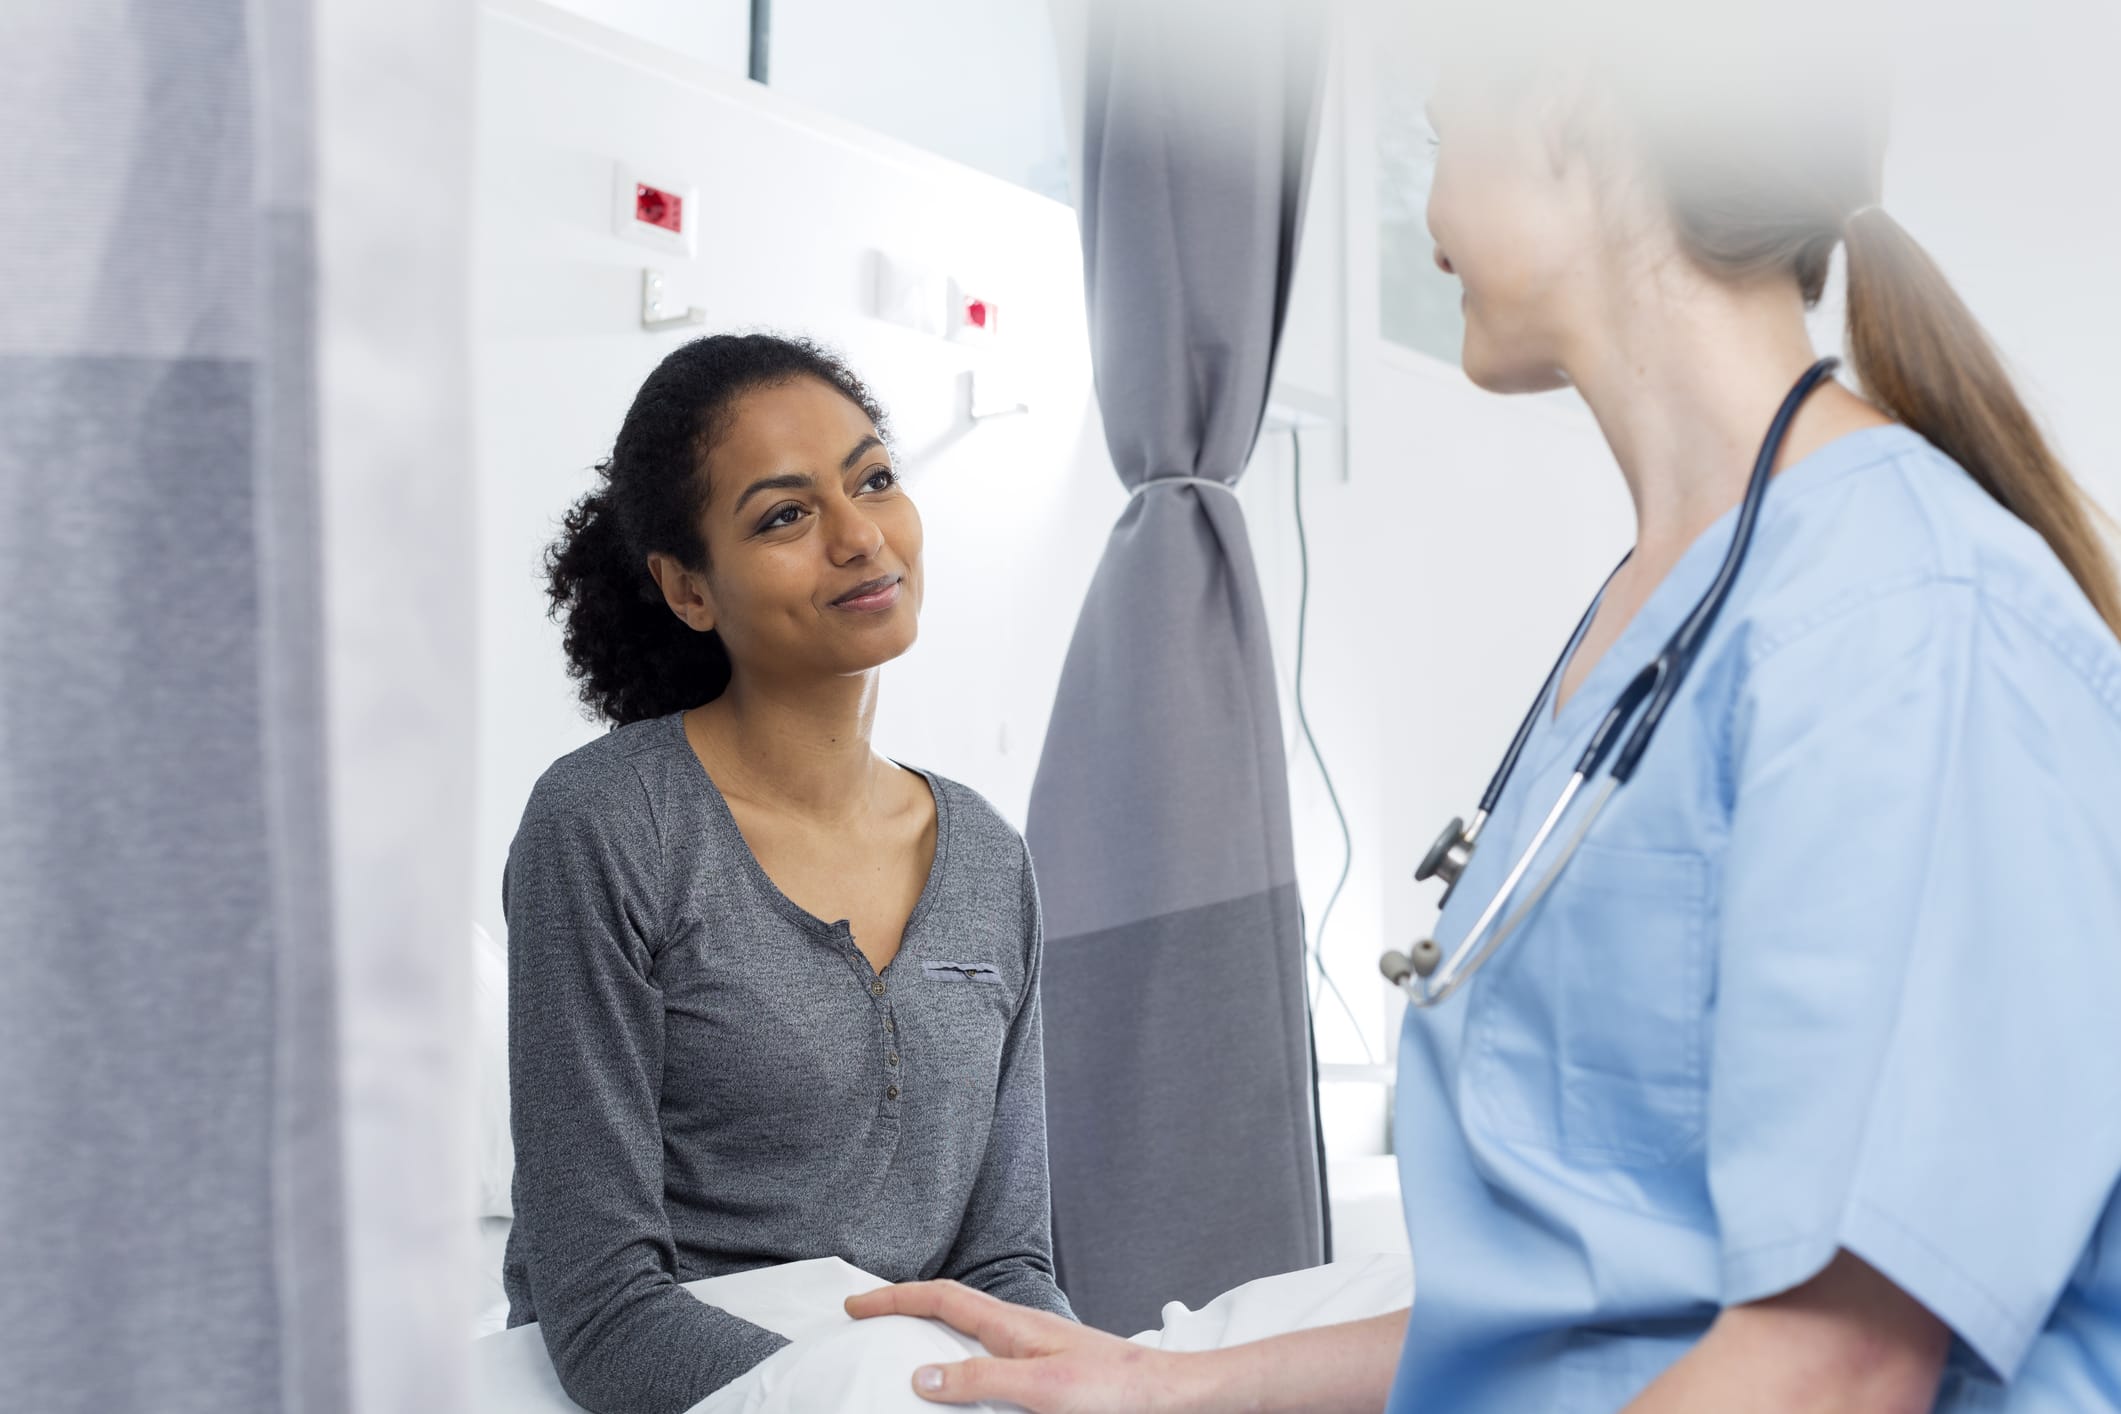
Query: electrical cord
{"x": 1315, "y": 946}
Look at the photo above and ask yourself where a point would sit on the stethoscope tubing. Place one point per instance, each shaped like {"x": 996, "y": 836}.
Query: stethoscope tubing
{"x": 1650, "y": 692}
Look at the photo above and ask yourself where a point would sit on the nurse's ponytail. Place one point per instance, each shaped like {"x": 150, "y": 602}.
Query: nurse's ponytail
{"x": 1923, "y": 358}
{"x": 1771, "y": 198}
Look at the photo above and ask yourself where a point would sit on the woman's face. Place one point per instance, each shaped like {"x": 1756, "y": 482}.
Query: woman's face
{"x": 813, "y": 547}
{"x": 1515, "y": 217}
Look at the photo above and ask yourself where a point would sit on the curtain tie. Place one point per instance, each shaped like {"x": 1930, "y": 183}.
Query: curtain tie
{"x": 1182, "y": 481}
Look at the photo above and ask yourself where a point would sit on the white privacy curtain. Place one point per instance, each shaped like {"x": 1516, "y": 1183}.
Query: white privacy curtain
{"x": 235, "y": 704}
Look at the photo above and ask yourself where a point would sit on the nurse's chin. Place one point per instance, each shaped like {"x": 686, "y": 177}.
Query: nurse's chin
{"x": 1502, "y": 371}
{"x": 1514, "y": 378}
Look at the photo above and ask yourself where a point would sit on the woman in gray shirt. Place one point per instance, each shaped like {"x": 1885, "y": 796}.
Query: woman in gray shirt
{"x": 771, "y": 996}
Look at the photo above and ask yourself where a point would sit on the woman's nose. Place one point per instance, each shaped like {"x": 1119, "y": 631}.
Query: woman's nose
{"x": 851, "y": 534}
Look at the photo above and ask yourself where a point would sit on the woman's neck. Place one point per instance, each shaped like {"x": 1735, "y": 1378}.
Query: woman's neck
{"x": 1683, "y": 383}
{"x": 800, "y": 748}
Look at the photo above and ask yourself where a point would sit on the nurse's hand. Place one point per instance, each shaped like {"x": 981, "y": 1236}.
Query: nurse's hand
{"x": 1046, "y": 1364}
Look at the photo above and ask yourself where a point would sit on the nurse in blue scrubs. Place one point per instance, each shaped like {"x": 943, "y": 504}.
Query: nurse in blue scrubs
{"x": 1801, "y": 1089}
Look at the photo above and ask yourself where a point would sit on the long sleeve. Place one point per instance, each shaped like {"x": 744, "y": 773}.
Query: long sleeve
{"x": 1005, "y": 1245}
{"x": 584, "y": 896}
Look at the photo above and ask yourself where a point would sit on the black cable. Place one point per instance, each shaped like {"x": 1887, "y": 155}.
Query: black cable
{"x": 1316, "y": 946}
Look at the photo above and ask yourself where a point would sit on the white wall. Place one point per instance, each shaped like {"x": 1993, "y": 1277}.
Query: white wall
{"x": 912, "y": 69}
{"x": 1016, "y": 510}
{"x": 713, "y": 32}
{"x": 975, "y": 80}
{"x": 2002, "y": 164}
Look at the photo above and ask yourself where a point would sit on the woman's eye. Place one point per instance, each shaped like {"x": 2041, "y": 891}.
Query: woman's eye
{"x": 883, "y": 478}
{"x": 785, "y": 516}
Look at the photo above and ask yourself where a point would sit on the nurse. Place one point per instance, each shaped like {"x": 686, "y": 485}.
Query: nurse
{"x": 1801, "y": 1089}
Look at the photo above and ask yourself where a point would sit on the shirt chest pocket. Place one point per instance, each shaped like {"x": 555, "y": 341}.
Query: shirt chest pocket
{"x": 1588, "y": 1035}
{"x": 964, "y": 1015}
{"x": 978, "y": 974}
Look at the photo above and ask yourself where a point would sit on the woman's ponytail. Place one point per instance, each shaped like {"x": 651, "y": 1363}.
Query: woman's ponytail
{"x": 1924, "y": 360}
{"x": 633, "y": 658}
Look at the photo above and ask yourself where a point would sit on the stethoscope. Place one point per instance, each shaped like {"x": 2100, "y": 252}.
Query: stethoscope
{"x": 1651, "y": 691}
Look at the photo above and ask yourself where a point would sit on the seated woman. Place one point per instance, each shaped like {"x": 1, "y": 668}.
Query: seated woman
{"x": 771, "y": 996}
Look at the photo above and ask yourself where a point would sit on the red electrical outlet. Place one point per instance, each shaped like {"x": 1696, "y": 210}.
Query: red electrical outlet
{"x": 650, "y": 209}
{"x": 978, "y": 319}
{"x": 658, "y": 207}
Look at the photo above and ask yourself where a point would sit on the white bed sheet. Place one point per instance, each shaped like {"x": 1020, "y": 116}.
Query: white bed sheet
{"x": 491, "y": 1312}
{"x": 866, "y": 1367}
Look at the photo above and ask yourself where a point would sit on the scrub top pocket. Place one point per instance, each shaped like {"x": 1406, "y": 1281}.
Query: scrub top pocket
{"x": 1593, "y": 1042}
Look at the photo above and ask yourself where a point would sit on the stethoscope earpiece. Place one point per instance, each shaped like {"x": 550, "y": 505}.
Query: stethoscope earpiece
{"x": 1398, "y": 966}
{"x": 1427, "y": 958}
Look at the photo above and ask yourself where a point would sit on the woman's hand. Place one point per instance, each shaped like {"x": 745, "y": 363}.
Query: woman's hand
{"x": 1046, "y": 1364}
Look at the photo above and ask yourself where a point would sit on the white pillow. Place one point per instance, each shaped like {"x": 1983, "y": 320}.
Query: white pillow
{"x": 495, "y": 1156}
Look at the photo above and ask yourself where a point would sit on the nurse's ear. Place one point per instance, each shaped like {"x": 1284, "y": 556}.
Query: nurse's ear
{"x": 685, "y": 590}
{"x": 1574, "y": 118}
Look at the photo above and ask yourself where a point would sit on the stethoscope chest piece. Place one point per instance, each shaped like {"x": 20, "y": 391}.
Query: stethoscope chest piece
{"x": 1448, "y": 857}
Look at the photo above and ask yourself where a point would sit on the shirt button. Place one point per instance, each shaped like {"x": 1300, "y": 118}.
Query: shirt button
{"x": 890, "y": 1025}
{"x": 892, "y": 1093}
{"x": 891, "y": 1059}
{"x": 876, "y": 988}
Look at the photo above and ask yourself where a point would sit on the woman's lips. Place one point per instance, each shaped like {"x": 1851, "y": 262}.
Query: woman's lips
{"x": 868, "y": 600}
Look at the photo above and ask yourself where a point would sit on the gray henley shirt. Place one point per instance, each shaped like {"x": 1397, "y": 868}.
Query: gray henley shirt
{"x": 704, "y": 1078}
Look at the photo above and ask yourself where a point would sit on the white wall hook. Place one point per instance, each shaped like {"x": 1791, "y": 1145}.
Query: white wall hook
{"x": 985, "y": 395}
{"x": 654, "y": 315}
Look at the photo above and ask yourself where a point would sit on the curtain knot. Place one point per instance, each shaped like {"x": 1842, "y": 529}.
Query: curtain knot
{"x": 1182, "y": 481}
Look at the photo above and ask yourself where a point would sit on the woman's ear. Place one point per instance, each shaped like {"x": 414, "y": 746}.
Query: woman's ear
{"x": 684, "y": 590}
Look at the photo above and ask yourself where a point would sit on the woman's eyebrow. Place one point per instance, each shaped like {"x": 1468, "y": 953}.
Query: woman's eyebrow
{"x": 872, "y": 440}
{"x": 798, "y": 481}
{"x": 786, "y": 481}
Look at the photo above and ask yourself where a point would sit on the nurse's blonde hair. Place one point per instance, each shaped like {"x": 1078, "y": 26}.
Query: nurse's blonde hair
{"x": 1767, "y": 147}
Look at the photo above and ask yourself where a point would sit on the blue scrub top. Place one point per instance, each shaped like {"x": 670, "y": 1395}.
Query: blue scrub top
{"x": 1839, "y": 968}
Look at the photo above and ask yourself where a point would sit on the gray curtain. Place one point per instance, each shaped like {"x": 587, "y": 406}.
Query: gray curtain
{"x": 235, "y": 705}
{"x": 170, "y": 1217}
{"x": 1180, "y": 1088}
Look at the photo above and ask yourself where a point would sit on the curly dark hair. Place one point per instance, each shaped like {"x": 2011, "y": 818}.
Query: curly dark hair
{"x": 633, "y": 658}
